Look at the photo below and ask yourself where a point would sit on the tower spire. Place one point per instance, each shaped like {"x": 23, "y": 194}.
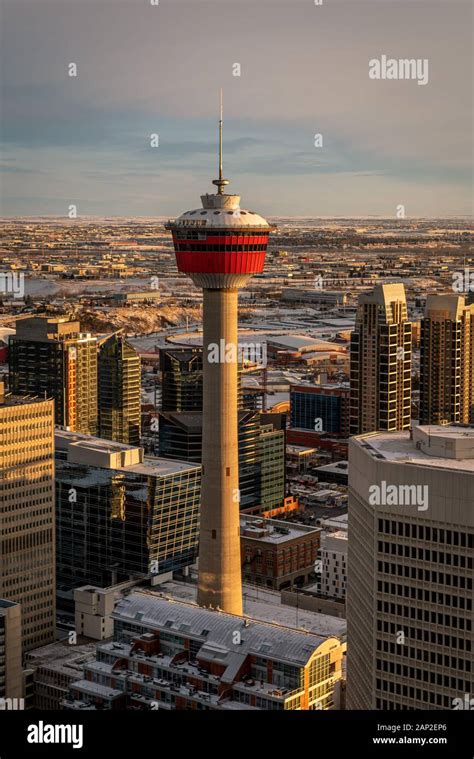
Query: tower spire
{"x": 221, "y": 182}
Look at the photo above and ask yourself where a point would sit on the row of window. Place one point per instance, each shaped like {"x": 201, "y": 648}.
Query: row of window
{"x": 423, "y": 675}
{"x": 427, "y": 636}
{"x": 424, "y": 615}
{"x": 422, "y": 594}
{"x": 229, "y": 248}
{"x": 190, "y": 234}
{"x": 424, "y": 554}
{"x": 422, "y": 532}
{"x": 424, "y": 655}
{"x": 425, "y": 575}
{"x": 405, "y": 691}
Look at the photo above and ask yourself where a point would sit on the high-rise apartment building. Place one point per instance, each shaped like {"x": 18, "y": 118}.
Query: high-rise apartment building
{"x": 119, "y": 387}
{"x": 447, "y": 361}
{"x": 410, "y": 568}
{"x": 121, "y": 514}
{"x": 11, "y": 673}
{"x": 380, "y": 363}
{"x": 27, "y": 534}
{"x": 51, "y": 357}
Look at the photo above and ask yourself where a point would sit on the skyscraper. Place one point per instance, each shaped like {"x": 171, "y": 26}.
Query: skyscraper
{"x": 51, "y": 357}
{"x": 272, "y": 466}
{"x": 410, "y": 568}
{"x": 219, "y": 247}
{"x": 447, "y": 361}
{"x": 120, "y": 513}
{"x": 261, "y": 453}
{"x": 27, "y": 534}
{"x": 119, "y": 386}
{"x": 182, "y": 378}
{"x": 180, "y": 426}
{"x": 380, "y": 369}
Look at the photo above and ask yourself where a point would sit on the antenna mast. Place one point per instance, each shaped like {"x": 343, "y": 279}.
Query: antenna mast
{"x": 221, "y": 182}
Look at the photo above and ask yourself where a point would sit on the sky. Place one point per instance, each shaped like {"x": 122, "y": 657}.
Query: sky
{"x": 145, "y": 69}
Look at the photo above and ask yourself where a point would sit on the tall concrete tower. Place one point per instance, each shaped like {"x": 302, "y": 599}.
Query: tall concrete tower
{"x": 220, "y": 246}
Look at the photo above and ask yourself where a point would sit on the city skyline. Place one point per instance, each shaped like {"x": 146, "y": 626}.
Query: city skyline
{"x": 236, "y": 423}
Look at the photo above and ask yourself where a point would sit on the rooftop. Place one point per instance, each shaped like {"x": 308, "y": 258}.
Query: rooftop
{"x": 336, "y": 467}
{"x": 107, "y": 454}
{"x": 265, "y": 605}
{"x": 8, "y": 400}
{"x": 442, "y": 447}
{"x": 95, "y": 689}
{"x": 217, "y": 629}
{"x": 302, "y": 342}
{"x": 272, "y": 531}
{"x": 5, "y": 604}
{"x": 62, "y": 657}
{"x": 124, "y": 655}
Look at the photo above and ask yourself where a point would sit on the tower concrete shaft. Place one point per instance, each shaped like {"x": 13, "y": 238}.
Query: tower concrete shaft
{"x": 220, "y": 246}
{"x": 220, "y": 576}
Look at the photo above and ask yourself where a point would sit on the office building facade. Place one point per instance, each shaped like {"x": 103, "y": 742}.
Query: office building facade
{"x": 410, "y": 569}
{"x": 320, "y": 408}
{"x": 121, "y": 514}
{"x": 27, "y": 531}
{"x": 261, "y": 453}
{"x": 272, "y": 467}
{"x": 181, "y": 380}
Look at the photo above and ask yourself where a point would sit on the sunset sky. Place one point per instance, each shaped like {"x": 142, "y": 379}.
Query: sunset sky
{"x": 144, "y": 69}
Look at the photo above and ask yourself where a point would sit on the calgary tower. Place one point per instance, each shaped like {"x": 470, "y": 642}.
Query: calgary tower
{"x": 220, "y": 246}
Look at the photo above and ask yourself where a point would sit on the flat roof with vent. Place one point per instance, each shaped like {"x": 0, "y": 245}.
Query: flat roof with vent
{"x": 441, "y": 446}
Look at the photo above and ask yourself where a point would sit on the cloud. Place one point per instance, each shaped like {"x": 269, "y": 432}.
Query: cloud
{"x": 304, "y": 69}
